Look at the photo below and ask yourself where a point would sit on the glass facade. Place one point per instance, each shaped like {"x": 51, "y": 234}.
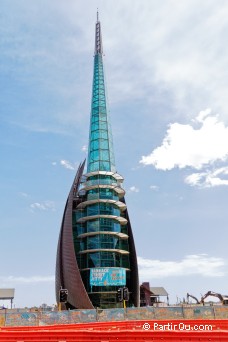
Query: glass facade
{"x": 97, "y": 215}
{"x": 100, "y": 233}
{"x": 101, "y": 155}
{"x": 100, "y": 226}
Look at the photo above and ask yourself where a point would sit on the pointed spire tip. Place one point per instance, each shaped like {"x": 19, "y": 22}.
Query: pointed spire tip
{"x": 98, "y": 39}
{"x": 97, "y": 15}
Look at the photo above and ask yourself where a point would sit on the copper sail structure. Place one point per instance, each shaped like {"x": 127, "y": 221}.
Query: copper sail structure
{"x": 96, "y": 252}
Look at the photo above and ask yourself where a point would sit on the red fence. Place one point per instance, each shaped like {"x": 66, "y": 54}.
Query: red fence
{"x": 152, "y": 330}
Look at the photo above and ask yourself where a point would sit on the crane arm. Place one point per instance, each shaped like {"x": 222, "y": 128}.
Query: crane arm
{"x": 211, "y": 293}
{"x": 193, "y": 297}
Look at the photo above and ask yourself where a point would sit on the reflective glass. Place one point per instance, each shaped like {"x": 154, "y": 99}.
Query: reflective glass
{"x": 103, "y": 144}
{"x": 103, "y": 224}
{"x": 102, "y": 194}
{"x": 93, "y": 226}
{"x": 100, "y": 127}
{"x": 100, "y": 158}
{"x": 94, "y": 259}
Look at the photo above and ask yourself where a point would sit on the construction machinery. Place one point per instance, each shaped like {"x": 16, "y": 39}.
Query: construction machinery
{"x": 222, "y": 298}
{"x": 193, "y": 297}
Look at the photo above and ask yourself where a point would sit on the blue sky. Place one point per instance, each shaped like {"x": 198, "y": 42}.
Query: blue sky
{"x": 166, "y": 70}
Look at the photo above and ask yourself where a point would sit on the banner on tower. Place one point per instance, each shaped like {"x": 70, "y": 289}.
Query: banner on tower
{"x": 105, "y": 276}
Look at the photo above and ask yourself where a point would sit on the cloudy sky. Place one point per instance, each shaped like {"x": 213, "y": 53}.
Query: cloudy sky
{"x": 167, "y": 70}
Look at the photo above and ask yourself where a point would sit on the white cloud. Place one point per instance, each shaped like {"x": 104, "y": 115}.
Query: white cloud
{"x": 33, "y": 279}
{"x": 133, "y": 189}
{"x": 37, "y": 205}
{"x": 209, "y": 178}
{"x": 179, "y": 53}
{"x": 67, "y": 164}
{"x": 154, "y": 187}
{"x": 23, "y": 194}
{"x": 84, "y": 148}
{"x": 200, "y": 264}
{"x": 46, "y": 205}
{"x": 185, "y": 145}
{"x": 178, "y": 56}
{"x": 50, "y": 205}
{"x": 202, "y": 115}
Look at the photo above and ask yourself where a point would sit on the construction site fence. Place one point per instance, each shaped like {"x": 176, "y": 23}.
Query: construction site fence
{"x": 23, "y": 317}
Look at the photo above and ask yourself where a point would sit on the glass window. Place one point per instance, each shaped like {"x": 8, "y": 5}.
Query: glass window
{"x": 108, "y": 209}
{"x": 82, "y": 245}
{"x": 93, "y": 166}
{"x": 93, "y": 177}
{"x": 95, "y": 145}
{"x": 104, "y": 144}
{"x": 101, "y": 193}
{"x": 125, "y": 261}
{"x": 105, "y": 166}
{"x": 93, "y": 210}
{"x": 94, "y": 259}
{"x": 108, "y": 241}
{"x": 94, "y": 135}
{"x": 77, "y": 214}
{"x": 124, "y": 229}
{"x": 95, "y": 126}
{"x": 103, "y": 125}
{"x": 94, "y": 155}
{"x": 109, "y": 225}
{"x": 95, "y": 117}
{"x": 93, "y": 242}
{"x": 103, "y": 134}
{"x": 80, "y": 229}
{"x": 104, "y": 155}
{"x": 92, "y": 226}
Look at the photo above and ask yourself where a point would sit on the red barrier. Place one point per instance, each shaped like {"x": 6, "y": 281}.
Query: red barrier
{"x": 111, "y": 336}
{"x": 161, "y": 330}
{"x": 216, "y": 324}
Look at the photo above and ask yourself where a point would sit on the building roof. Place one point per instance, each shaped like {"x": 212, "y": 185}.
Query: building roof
{"x": 159, "y": 291}
{"x": 7, "y": 293}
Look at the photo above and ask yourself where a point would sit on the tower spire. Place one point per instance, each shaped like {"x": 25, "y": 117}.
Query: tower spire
{"x": 98, "y": 38}
{"x": 100, "y": 153}
{"x": 97, "y": 15}
{"x": 96, "y": 235}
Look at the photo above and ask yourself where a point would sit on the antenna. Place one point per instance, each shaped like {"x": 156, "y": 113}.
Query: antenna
{"x": 97, "y": 15}
{"x": 98, "y": 39}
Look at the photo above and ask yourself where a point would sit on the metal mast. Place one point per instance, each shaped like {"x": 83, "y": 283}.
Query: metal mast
{"x": 100, "y": 151}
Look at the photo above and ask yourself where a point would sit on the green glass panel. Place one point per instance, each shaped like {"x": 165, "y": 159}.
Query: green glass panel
{"x": 103, "y": 134}
{"x": 95, "y": 144}
{"x": 103, "y": 144}
{"x": 100, "y": 127}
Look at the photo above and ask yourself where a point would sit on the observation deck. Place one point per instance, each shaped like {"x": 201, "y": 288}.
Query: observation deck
{"x": 122, "y": 206}
{"x": 115, "y": 175}
{"x": 122, "y": 236}
{"x": 113, "y": 186}
{"x": 120, "y": 251}
{"x": 120, "y": 219}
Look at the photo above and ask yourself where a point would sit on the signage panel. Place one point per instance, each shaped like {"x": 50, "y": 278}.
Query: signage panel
{"x": 105, "y": 276}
